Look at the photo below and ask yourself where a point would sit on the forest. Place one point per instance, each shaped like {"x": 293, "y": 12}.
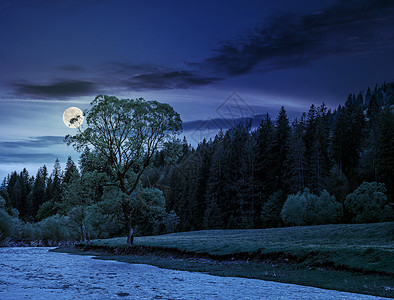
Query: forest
{"x": 324, "y": 167}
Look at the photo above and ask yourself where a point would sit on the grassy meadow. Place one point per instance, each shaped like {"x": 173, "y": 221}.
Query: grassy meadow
{"x": 348, "y": 257}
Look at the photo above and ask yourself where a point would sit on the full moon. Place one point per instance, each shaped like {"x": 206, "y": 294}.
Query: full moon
{"x": 73, "y": 117}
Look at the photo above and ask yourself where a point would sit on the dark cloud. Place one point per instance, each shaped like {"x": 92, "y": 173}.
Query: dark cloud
{"x": 153, "y": 77}
{"x": 32, "y": 142}
{"x": 71, "y": 68}
{"x": 288, "y": 41}
{"x": 126, "y": 68}
{"x": 282, "y": 42}
{"x": 168, "y": 80}
{"x": 60, "y": 89}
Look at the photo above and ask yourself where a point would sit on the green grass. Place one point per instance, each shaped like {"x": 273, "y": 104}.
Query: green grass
{"x": 352, "y": 257}
{"x": 359, "y": 246}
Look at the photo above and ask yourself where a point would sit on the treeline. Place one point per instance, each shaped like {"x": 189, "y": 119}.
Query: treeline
{"x": 324, "y": 167}
{"x": 77, "y": 203}
{"x": 310, "y": 169}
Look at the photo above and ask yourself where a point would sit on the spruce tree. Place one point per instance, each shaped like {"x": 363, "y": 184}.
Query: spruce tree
{"x": 280, "y": 150}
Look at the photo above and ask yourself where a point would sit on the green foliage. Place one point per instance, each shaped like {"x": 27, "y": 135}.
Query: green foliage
{"x": 337, "y": 184}
{"x": 2, "y": 203}
{"x": 127, "y": 133}
{"x": 368, "y": 203}
{"x": 45, "y": 210}
{"x": 148, "y": 209}
{"x": 10, "y": 225}
{"x": 325, "y": 210}
{"x": 171, "y": 221}
{"x": 31, "y": 231}
{"x": 55, "y": 228}
{"x": 309, "y": 209}
{"x": 227, "y": 182}
{"x": 294, "y": 211}
{"x": 385, "y": 151}
{"x": 103, "y": 220}
{"x": 270, "y": 212}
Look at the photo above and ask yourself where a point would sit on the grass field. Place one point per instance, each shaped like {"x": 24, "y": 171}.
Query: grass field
{"x": 360, "y": 246}
{"x": 349, "y": 257}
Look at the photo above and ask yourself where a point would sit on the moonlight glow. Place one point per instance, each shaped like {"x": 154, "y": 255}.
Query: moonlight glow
{"x": 73, "y": 117}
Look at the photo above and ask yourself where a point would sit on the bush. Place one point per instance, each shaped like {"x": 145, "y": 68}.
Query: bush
{"x": 368, "y": 203}
{"x": 31, "y": 231}
{"x": 10, "y": 226}
{"x": 55, "y": 228}
{"x": 326, "y": 210}
{"x": 309, "y": 209}
{"x": 102, "y": 220}
{"x": 294, "y": 211}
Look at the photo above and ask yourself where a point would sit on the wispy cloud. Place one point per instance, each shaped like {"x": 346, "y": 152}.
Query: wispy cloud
{"x": 71, "y": 68}
{"x": 60, "y": 89}
{"x": 27, "y": 157}
{"x": 281, "y": 42}
{"x": 288, "y": 41}
{"x": 137, "y": 77}
{"x": 32, "y": 142}
{"x": 168, "y": 80}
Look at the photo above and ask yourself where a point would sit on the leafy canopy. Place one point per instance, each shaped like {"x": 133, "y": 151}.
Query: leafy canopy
{"x": 127, "y": 132}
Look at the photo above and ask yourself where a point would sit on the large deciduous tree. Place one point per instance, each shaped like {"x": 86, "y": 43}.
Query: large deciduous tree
{"x": 127, "y": 133}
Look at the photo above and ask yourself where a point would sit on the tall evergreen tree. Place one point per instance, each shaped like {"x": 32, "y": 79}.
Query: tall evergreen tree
{"x": 264, "y": 165}
{"x": 70, "y": 171}
{"x": 386, "y": 150}
{"x": 38, "y": 192}
{"x": 56, "y": 186}
{"x": 280, "y": 150}
{"x": 297, "y": 162}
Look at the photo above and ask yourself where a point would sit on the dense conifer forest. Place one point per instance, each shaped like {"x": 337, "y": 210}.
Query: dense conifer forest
{"x": 320, "y": 168}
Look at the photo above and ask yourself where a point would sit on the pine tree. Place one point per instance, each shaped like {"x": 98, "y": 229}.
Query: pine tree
{"x": 386, "y": 150}
{"x": 368, "y": 160}
{"x": 280, "y": 150}
{"x": 296, "y": 160}
{"x": 215, "y": 197}
{"x": 340, "y": 139}
{"x": 368, "y": 96}
{"x": 263, "y": 174}
{"x": 56, "y": 187}
{"x": 38, "y": 192}
{"x": 70, "y": 171}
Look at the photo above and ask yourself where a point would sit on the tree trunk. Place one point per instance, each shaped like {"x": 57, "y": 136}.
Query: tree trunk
{"x": 82, "y": 232}
{"x": 130, "y": 235}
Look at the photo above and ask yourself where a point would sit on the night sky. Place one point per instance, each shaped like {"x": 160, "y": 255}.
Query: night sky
{"x": 198, "y": 56}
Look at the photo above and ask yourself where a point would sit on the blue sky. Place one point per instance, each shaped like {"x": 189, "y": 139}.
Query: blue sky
{"x": 198, "y": 56}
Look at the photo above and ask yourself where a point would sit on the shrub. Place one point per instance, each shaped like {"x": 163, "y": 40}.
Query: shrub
{"x": 326, "y": 210}
{"x": 31, "y": 231}
{"x": 309, "y": 209}
{"x": 55, "y": 228}
{"x": 102, "y": 221}
{"x": 10, "y": 225}
{"x": 294, "y": 211}
{"x": 368, "y": 203}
